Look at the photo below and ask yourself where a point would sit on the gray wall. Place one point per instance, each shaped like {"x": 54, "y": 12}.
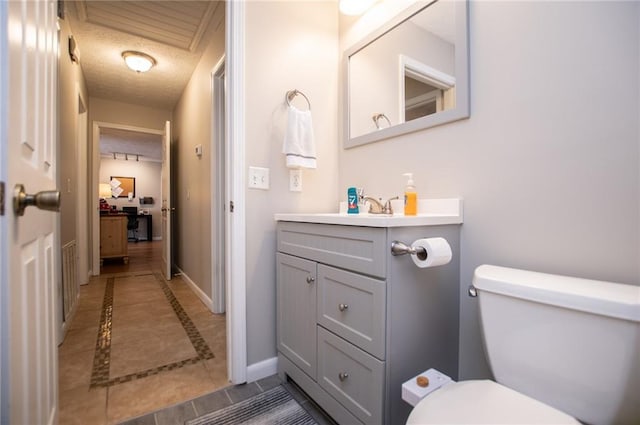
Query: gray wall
{"x": 71, "y": 84}
{"x": 289, "y": 45}
{"x": 548, "y": 162}
{"x": 114, "y": 112}
{"x": 192, "y": 118}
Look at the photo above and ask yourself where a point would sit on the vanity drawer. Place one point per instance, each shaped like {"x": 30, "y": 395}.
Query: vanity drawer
{"x": 353, "y": 307}
{"x": 361, "y": 249}
{"x": 354, "y": 378}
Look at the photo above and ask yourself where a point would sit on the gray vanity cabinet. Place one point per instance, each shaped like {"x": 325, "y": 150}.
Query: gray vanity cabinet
{"x": 296, "y": 294}
{"x": 353, "y": 322}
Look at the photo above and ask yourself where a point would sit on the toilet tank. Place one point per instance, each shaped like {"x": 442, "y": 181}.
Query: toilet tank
{"x": 571, "y": 343}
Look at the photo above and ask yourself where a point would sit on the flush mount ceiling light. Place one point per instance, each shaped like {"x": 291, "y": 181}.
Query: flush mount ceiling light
{"x": 138, "y": 61}
{"x": 355, "y": 7}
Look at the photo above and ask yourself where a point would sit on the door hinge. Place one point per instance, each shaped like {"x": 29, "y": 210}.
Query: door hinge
{"x": 1, "y": 198}
{"x": 230, "y": 206}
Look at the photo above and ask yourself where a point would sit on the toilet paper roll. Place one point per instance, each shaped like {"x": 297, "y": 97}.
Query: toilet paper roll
{"x": 438, "y": 252}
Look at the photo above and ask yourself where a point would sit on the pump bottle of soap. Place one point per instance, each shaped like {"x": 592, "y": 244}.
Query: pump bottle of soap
{"x": 410, "y": 196}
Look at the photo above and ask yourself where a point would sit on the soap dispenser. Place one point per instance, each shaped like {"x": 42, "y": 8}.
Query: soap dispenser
{"x": 410, "y": 196}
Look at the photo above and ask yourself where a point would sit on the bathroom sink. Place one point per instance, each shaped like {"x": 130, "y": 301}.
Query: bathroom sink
{"x": 431, "y": 212}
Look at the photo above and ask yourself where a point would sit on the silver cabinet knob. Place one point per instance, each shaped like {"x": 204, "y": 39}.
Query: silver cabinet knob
{"x": 47, "y": 200}
{"x": 310, "y": 279}
{"x": 343, "y": 375}
{"x": 343, "y": 307}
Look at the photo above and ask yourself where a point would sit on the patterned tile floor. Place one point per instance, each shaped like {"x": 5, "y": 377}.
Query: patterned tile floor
{"x": 137, "y": 344}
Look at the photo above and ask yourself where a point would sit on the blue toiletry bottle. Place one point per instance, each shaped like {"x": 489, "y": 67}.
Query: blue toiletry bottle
{"x": 352, "y": 201}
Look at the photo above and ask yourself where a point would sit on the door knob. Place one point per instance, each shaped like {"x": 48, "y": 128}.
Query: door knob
{"x": 46, "y": 200}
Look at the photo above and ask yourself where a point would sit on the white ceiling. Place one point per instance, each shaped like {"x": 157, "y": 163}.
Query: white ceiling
{"x": 175, "y": 33}
{"x": 147, "y": 147}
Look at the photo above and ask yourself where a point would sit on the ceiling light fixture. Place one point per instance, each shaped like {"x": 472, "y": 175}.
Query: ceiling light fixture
{"x": 355, "y": 7}
{"x": 138, "y": 61}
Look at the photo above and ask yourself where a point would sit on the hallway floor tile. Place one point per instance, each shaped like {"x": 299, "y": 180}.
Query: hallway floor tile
{"x": 135, "y": 345}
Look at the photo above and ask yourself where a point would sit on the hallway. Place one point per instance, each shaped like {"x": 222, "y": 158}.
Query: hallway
{"x": 137, "y": 344}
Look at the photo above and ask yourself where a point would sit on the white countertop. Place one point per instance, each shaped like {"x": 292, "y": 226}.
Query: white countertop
{"x": 432, "y": 212}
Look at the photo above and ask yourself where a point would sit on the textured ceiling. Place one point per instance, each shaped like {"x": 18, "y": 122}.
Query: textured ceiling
{"x": 147, "y": 146}
{"x": 175, "y": 33}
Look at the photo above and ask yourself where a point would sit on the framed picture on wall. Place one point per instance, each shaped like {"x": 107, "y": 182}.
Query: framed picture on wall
{"x": 122, "y": 186}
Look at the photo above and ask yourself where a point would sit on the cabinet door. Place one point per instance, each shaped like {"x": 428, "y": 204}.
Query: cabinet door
{"x": 296, "y": 307}
{"x": 107, "y": 242}
{"x": 113, "y": 236}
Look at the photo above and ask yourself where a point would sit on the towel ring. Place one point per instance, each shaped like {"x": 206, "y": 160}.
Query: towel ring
{"x": 293, "y": 93}
{"x": 376, "y": 119}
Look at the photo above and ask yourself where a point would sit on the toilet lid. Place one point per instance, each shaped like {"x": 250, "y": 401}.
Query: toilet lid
{"x": 483, "y": 402}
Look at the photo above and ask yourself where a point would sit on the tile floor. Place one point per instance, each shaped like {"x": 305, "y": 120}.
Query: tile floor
{"x": 137, "y": 344}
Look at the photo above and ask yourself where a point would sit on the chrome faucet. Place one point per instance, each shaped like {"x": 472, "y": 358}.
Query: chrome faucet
{"x": 377, "y": 207}
{"x": 387, "y": 206}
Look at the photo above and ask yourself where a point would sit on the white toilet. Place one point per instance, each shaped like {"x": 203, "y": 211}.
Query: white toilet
{"x": 559, "y": 347}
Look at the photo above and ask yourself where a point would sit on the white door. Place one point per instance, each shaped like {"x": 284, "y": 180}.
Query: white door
{"x": 166, "y": 202}
{"x": 30, "y": 242}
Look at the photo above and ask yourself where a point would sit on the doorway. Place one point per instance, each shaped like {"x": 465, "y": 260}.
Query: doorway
{"x": 237, "y": 346}
{"x": 144, "y": 135}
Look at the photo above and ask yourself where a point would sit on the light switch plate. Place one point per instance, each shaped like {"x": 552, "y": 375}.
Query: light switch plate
{"x": 259, "y": 178}
{"x": 295, "y": 180}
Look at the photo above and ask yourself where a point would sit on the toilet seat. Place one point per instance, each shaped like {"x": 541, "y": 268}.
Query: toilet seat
{"x": 483, "y": 402}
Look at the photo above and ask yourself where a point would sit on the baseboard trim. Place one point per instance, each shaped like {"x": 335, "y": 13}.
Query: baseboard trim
{"x": 196, "y": 290}
{"x": 262, "y": 369}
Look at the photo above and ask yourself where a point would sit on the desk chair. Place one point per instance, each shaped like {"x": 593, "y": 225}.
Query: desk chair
{"x": 132, "y": 222}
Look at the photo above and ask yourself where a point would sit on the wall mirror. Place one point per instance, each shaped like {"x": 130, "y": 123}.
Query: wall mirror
{"x": 408, "y": 75}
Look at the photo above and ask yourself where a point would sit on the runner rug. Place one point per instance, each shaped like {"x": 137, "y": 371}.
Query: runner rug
{"x": 275, "y": 406}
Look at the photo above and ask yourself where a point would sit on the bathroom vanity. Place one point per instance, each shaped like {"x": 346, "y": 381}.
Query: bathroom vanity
{"x": 355, "y": 322}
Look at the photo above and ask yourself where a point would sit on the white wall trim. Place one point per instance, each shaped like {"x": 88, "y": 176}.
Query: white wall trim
{"x": 82, "y": 191}
{"x": 262, "y": 369}
{"x": 236, "y": 247}
{"x": 195, "y": 288}
{"x": 219, "y": 223}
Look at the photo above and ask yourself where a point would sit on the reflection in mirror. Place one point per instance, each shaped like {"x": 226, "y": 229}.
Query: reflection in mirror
{"x": 413, "y": 72}
{"x": 425, "y": 90}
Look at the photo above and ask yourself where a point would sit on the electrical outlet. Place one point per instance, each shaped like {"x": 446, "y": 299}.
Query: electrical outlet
{"x": 259, "y": 178}
{"x": 295, "y": 180}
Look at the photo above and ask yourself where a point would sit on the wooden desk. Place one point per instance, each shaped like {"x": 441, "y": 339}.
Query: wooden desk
{"x": 113, "y": 237}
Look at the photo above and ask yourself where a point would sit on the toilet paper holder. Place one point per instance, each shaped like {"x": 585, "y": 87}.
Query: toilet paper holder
{"x": 400, "y": 248}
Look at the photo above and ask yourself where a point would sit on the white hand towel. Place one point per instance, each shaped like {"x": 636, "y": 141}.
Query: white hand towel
{"x": 298, "y": 145}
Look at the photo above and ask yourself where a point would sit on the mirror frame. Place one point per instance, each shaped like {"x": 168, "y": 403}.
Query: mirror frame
{"x": 461, "y": 110}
